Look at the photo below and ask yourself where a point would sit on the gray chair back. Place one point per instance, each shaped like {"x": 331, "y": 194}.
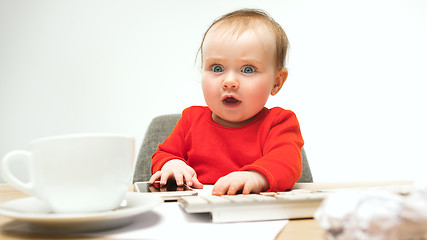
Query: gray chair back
{"x": 159, "y": 129}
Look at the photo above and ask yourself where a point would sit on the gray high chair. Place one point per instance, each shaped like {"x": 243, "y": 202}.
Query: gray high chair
{"x": 159, "y": 129}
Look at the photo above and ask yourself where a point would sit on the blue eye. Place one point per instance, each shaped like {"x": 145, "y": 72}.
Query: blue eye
{"x": 248, "y": 70}
{"x": 217, "y": 68}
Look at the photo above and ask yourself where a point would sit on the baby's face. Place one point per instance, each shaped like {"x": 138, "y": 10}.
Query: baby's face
{"x": 238, "y": 74}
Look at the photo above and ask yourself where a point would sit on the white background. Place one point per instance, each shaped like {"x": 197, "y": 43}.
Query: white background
{"x": 357, "y": 74}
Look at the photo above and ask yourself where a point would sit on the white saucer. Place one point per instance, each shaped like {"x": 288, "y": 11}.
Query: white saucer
{"x": 35, "y": 212}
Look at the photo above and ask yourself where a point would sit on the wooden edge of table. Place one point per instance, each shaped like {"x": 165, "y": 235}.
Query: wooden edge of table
{"x": 301, "y": 229}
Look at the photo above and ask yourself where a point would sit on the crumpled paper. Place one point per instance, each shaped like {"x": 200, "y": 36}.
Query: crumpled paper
{"x": 374, "y": 215}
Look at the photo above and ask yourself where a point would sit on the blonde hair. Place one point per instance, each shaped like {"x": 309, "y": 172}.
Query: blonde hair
{"x": 244, "y": 19}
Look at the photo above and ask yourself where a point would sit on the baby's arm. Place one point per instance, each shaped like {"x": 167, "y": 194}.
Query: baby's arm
{"x": 180, "y": 171}
{"x": 245, "y": 181}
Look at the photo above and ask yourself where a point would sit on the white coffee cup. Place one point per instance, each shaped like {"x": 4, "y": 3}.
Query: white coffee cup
{"x": 77, "y": 173}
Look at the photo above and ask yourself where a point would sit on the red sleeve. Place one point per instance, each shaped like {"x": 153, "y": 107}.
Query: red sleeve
{"x": 282, "y": 161}
{"x": 173, "y": 147}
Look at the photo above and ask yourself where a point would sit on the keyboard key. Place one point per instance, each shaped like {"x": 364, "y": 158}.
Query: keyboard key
{"x": 216, "y": 199}
{"x": 238, "y": 198}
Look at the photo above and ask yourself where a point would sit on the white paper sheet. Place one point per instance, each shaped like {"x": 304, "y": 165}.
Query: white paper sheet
{"x": 169, "y": 221}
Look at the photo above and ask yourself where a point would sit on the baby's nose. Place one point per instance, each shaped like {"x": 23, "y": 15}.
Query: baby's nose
{"x": 230, "y": 82}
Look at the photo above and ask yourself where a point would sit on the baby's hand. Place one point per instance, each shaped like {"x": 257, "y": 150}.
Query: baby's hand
{"x": 178, "y": 170}
{"x": 245, "y": 181}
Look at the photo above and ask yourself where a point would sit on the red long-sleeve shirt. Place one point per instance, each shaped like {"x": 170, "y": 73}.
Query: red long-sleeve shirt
{"x": 270, "y": 144}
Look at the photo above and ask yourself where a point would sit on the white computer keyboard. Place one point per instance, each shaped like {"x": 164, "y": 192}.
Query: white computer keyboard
{"x": 255, "y": 207}
{"x": 268, "y": 206}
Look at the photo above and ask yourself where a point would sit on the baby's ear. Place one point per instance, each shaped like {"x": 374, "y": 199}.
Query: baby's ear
{"x": 279, "y": 81}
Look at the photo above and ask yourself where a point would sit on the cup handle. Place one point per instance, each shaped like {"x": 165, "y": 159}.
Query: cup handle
{"x": 9, "y": 177}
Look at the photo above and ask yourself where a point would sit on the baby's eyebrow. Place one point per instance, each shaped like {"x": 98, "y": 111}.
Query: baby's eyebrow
{"x": 240, "y": 60}
{"x": 214, "y": 59}
{"x": 251, "y": 60}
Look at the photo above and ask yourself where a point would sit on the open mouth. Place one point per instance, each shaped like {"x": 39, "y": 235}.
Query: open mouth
{"x": 231, "y": 101}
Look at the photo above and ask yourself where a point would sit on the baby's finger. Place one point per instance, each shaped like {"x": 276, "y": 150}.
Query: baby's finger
{"x": 179, "y": 179}
{"x": 220, "y": 187}
{"x": 188, "y": 179}
{"x": 247, "y": 188}
{"x": 234, "y": 188}
{"x": 164, "y": 178}
{"x": 155, "y": 176}
{"x": 196, "y": 183}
